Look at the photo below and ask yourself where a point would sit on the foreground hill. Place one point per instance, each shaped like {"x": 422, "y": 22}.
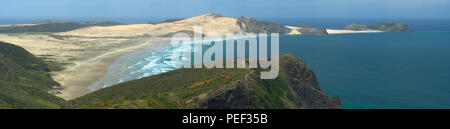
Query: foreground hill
{"x": 212, "y": 23}
{"x": 24, "y": 80}
{"x": 54, "y": 26}
{"x": 296, "y": 87}
{"x": 384, "y": 26}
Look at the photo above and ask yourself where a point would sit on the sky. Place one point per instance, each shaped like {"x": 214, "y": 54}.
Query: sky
{"x": 424, "y": 9}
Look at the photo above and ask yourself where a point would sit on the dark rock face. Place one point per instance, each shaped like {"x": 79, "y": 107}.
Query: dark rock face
{"x": 256, "y": 26}
{"x": 235, "y": 97}
{"x": 302, "y": 84}
{"x": 313, "y": 31}
{"x": 308, "y": 30}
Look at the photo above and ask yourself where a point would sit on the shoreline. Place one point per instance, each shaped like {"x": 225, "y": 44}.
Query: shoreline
{"x": 76, "y": 78}
{"x": 336, "y": 31}
{"x": 114, "y": 69}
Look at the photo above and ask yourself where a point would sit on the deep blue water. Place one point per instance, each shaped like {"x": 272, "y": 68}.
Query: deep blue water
{"x": 379, "y": 70}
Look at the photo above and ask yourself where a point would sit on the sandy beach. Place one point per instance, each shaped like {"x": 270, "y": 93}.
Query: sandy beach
{"x": 86, "y": 58}
{"x": 76, "y": 78}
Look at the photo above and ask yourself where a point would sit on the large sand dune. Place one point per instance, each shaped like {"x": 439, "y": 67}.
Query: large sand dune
{"x": 211, "y": 23}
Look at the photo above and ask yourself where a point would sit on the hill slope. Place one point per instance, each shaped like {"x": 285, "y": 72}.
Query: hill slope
{"x": 24, "y": 80}
{"x": 296, "y": 87}
{"x": 54, "y": 26}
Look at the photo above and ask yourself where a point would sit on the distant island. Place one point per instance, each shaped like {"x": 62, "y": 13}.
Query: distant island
{"x": 384, "y": 26}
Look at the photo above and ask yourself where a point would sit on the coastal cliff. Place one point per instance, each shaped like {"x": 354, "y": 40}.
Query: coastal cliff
{"x": 296, "y": 87}
{"x": 308, "y": 30}
{"x": 251, "y": 25}
{"x": 384, "y": 26}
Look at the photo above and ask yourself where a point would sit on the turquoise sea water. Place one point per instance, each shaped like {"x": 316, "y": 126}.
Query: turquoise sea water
{"x": 376, "y": 70}
{"x": 379, "y": 70}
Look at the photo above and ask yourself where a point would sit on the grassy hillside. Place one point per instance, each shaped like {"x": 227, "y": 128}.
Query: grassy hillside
{"x": 384, "y": 26}
{"x": 296, "y": 87}
{"x": 55, "y": 26}
{"x": 24, "y": 83}
{"x": 24, "y": 80}
{"x": 21, "y": 57}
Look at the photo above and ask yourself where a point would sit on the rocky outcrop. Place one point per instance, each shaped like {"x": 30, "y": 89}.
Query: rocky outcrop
{"x": 252, "y": 25}
{"x": 304, "y": 83}
{"x": 313, "y": 31}
{"x": 299, "y": 81}
{"x": 308, "y": 30}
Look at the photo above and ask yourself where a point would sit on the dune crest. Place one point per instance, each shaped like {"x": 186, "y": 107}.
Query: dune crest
{"x": 212, "y": 23}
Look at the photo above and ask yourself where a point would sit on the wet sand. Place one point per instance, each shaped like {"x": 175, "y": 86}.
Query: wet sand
{"x": 76, "y": 78}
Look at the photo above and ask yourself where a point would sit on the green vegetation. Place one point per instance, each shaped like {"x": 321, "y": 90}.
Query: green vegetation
{"x": 24, "y": 80}
{"x": 54, "y": 26}
{"x": 384, "y": 26}
{"x": 213, "y": 88}
{"x": 17, "y": 95}
{"x": 167, "y": 90}
{"x": 21, "y": 57}
{"x": 54, "y": 66}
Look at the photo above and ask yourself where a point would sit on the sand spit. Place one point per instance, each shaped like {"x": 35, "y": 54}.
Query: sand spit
{"x": 332, "y": 31}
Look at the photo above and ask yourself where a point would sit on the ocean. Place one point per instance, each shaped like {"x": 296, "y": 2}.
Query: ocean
{"x": 379, "y": 70}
